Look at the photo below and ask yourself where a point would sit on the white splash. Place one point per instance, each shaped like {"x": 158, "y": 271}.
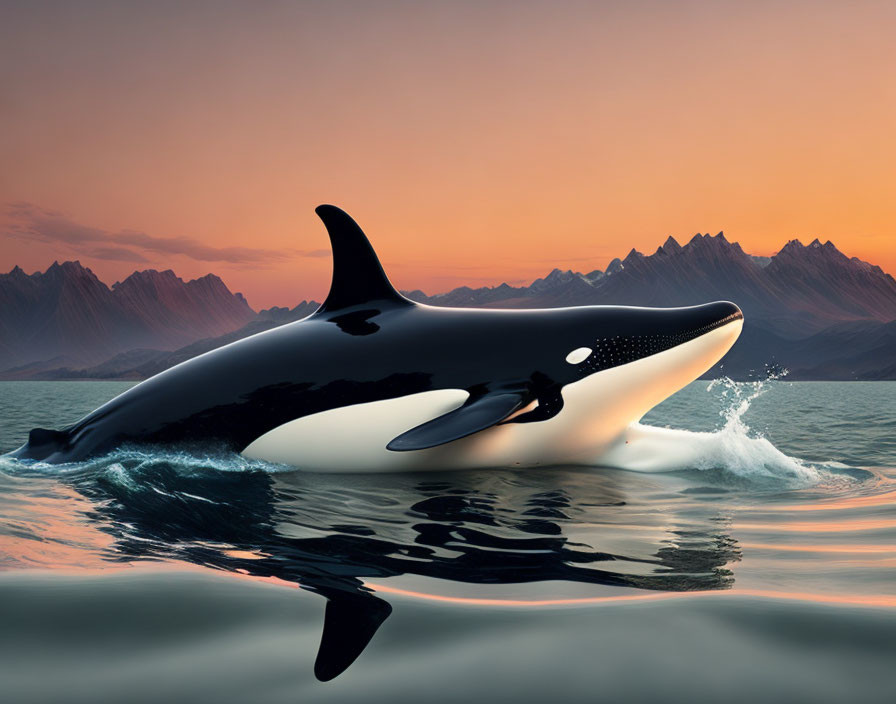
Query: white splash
{"x": 734, "y": 448}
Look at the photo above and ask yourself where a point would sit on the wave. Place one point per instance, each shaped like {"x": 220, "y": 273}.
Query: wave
{"x": 122, "y": 464}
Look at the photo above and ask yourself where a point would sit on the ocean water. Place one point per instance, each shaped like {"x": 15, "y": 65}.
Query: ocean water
{"x": 755, "y": 562}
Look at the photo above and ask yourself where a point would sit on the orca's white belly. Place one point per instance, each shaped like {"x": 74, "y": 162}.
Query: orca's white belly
{"x": 596, "y": 413}
{"x": 354, "y": 438}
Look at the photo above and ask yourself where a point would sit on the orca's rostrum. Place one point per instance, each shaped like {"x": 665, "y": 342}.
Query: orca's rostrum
{"x": 375, "y": 382}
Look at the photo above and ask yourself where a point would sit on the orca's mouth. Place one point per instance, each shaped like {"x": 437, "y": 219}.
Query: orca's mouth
{"x": 730, "y": 318}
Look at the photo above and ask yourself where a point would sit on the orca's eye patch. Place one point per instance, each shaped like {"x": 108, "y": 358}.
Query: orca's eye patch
{"x": 580, "y": 354}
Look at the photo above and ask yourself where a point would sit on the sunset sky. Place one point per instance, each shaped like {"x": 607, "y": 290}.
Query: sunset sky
{"x": 474, "y": 142}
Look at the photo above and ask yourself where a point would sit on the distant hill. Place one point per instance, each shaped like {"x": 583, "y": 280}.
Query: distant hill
{"x": 809, "y": 309}
{"x": 143, "y": 363}
{"x": 67, "y": 312}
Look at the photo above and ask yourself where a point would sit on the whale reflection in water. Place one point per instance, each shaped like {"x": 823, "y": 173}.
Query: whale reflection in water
{"x": 328, "y": 536}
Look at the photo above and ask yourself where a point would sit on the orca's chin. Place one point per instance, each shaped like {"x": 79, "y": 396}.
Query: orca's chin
{"x": 728, "y": 330}
{"x": 675, "y": 368}
{"x": 705, "y": 347}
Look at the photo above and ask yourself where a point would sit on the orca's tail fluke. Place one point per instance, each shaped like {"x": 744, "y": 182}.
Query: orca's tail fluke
{"x": 358, "y": 276}
{"x": 42, "y": 444}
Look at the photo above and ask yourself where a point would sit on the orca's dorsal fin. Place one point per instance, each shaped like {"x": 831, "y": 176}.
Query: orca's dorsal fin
{"x": 358, "y": 277}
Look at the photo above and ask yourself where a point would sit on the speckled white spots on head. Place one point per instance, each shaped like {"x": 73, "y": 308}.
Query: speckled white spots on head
{"x": 579, "y": 354}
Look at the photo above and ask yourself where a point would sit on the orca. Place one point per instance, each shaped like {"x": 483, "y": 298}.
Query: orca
{"x": 373, "y": 381}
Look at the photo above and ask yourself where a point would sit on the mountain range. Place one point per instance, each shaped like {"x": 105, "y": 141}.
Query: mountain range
{"x": 809, "y": 309}
{"x": 811, "y": 286}
{"x": 66, "y": 315}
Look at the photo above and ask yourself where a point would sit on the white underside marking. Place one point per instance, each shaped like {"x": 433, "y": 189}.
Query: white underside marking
{"x": 596, "y": 412}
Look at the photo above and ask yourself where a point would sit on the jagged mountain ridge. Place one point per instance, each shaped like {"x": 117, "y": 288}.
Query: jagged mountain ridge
{"x": 67, "y": 311}
{"x": 801, "y": 289}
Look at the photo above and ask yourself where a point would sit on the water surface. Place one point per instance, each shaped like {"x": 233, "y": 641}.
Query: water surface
{"x": 762, "y": 569}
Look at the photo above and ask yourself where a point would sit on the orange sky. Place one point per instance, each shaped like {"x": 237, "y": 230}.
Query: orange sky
{"x": 475, "y": 142}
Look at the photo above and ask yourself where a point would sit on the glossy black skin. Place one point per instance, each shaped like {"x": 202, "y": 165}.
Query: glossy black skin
{"x": 233, "y": 395}
{"x": 378, "y": 348}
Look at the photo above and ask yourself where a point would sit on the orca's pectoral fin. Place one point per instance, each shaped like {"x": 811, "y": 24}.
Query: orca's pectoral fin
{"x": 475, "y": 415}
{"x": 350, "y": 621}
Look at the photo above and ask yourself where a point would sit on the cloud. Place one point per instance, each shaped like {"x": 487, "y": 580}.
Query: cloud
{"x": 116, "y": 254}
{"x": 29, "y": 221}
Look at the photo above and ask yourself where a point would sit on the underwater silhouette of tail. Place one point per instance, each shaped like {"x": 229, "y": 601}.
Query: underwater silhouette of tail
{"x": 350, "y": 621}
